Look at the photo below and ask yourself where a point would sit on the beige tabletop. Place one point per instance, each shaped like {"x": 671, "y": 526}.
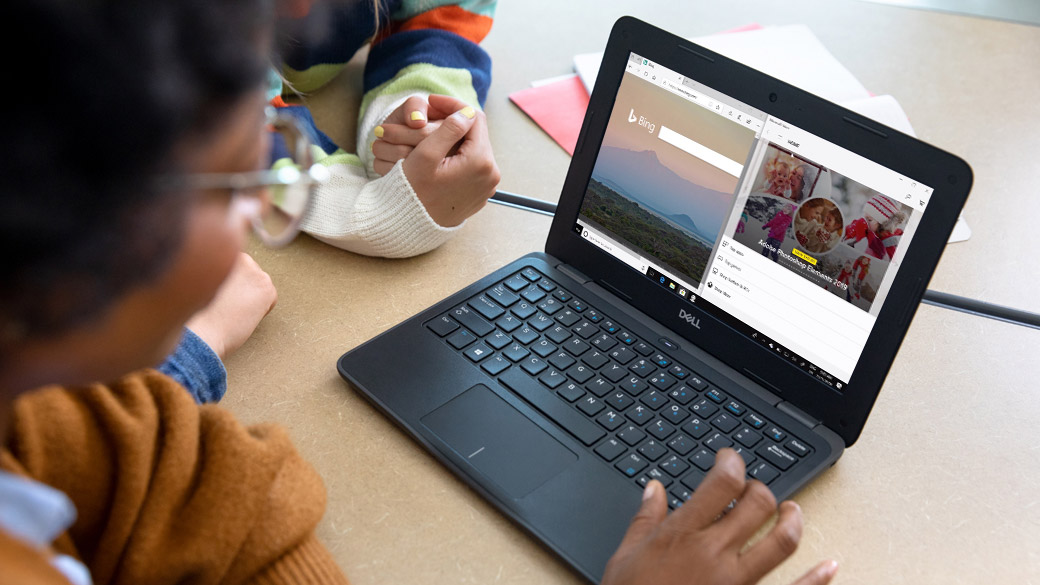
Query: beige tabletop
{"x": 944, "y": 484}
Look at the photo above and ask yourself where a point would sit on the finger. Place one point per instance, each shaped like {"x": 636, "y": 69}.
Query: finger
{"x": 756, "y": 505}
{"x": 390, "y": 152}
{"x": 442, "y": 106}
{"x": 382, "y": 167}
{"x": 780, "y": 543}
{"x": 414, "y": 109}
{"x": 437, "y": 145}
{"x": 402, "y": 134}
{"x": 723, "y": 484}
{"x": 652, "y": 511}
{"x": 821, "y": 574}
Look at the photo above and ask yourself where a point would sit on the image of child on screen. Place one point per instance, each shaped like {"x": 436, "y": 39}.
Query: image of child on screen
{"x": 818, "y": 225}
{"x": 777, "y": 229}
{"x": 784, "y": 175}
{"x": 878, "y": 231}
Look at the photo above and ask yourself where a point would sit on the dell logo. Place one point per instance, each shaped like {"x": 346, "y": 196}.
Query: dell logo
{"x": 689, "y": 318}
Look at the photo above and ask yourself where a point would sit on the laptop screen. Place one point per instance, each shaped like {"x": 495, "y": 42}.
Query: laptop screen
{"x": 786, "y": 237}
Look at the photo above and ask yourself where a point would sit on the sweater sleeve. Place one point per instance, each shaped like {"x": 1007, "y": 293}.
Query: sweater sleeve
{"x": 168, "y": 491}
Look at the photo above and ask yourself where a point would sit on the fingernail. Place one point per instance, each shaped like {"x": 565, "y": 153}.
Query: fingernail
{"x": 468, "y": 111}
{"x": 417, "y": 115}
{"x": 830, "y": 569}
{"x": 651, "y": 489}
{"x": 378, "y": 131}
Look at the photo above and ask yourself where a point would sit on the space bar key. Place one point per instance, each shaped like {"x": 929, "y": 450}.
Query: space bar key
{"x": 551, "y": 406}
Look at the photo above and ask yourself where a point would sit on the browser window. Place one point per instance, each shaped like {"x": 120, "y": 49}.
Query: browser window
{"x": 783, "y": 235}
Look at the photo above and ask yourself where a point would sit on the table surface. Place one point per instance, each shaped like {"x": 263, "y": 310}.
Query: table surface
{"x": 942, "y": 487}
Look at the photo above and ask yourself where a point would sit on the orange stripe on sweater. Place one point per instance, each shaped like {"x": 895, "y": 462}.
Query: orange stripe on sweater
{"x": 470, "y": 26}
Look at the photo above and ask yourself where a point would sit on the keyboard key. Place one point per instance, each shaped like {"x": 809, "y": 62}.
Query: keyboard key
{"x": 634, "y": 386}
{"x": 745, "y": 454}
{"x": 717, "y": 441}
{"x": 715, "y": 396}
{"x": 776, "y": 434}
{"x": 543, "y": 348}
{"x": 487, "y": 308}
{"x": 552, "y": 378}
{"x": 495, "y": 365}
{"x": 631, "y": 465}
{"x": 681, "y": 493}
{"x": 654, "y": 399}
{"x": 570, "y": 391}
{"x": 679, "y": 372}
{"x": 674, "y": 466}
{"x": 682, "y": 394}
{"x": 661, "y": 381}
{"x": 546, "y": 285}
{"x": 516, "y": 283}
{"x": 696, "y": 383}
{"x": 595, "y": 359}
{"x": 461, "y": 339}
{"x": 735, "y": 407}
{"x": 533, "y": 365}
{"x": 558, "y": 334}
{"x": 610, "y": 449}
{"x": 631, "y": 435}
{"x": 618, "y": 400}
{"x": 643, "y": 348}
{"x": 568, "y": 317}
{"x": 590, "y": 405}
{"x": 603, "y": 342}
{"x": 725, "y": 423}
{"x": 654, "y": 473}
{"x": 509, "y": 322}
{"x": 550, "y": 306}
{"x": 586, "y": 330}
{"x": 675, "y": 414}
{"x": 661, "y": 360}
{"x": 540, "y": 322}
{"x": 652, "y": 450}
{"x": 578, "y": 306}
{"x": 516, "y": 352}
{"x": 797, "y": 447}
{"x": 593, "y": 316}
{"x": 531, "y": 274}
{"x": 502, "y": 295}
{"x": 642, "y": 367}
{"x": 622, "y": 354}
{"x": 472, "y": 321}
{"x": 525, "y": 334}
{"x": 763, "y": 473}
{"x": 498, "y": 340}
{"x": 626, "y": 338}
{"x": 693, "y": 479}
{"x": 776, "y": 455}
{"x": 478, "y": 352}
{"x": 614, "y": 372}
{"x": 600, "y": 387}
{"x": 696, "y": 428}
{"x": 533, "y": 294}
{"x": 610, "y": 420}
{"x": 524, "y": 310}
{"x": 562, "y": 295}
{"x": 703, "y": 459}
{"x": 660, "y": 429}
{"x": 703, "y": 408}
{"x": 755, "y": 421}
{"x": 747, "y": 437}
{"x": 639, "y": 414}
{"x": 609, "y": 327}
{"x": 442, "y": 325}
{"x": 576, "y": 347}
{"x": 581, "y": 373}
{"x": 682, "y": 444}
{"x": 558, "y": 411}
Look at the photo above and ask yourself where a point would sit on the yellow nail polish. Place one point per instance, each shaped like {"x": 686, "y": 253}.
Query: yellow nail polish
{"x": 417, "y": 115}
{"x": 468, "y": 111}
{"x": 378, "y": 131}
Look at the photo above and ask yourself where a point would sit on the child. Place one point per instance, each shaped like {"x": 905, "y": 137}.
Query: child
{"x": 859, "y": 271}
{"x": 743, "y": 222}
{"x": 845, "y": 275}
{"x": 810, "y": 219}
{"x": 824, "y": 238}
{"x": 863, "y": 233}
{"x": 777, "y": 229}
{"x": 778, "y": 181}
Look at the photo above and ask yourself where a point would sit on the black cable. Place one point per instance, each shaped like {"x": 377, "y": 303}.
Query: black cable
{"x": 931, "y": 297}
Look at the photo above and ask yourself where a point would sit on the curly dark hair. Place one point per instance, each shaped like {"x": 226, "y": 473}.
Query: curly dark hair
{"x": 105, "y": 89}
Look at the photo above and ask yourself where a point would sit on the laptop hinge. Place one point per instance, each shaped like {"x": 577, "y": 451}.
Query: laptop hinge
{"x": 572, "y": 272}
{"x": 799, "y": 415}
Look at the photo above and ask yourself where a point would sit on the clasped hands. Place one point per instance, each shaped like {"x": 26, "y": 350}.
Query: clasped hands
{"x": 446, "y": 152}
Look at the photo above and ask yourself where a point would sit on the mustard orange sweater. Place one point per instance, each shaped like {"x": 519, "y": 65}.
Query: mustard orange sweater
{"x": 166, "y": 491}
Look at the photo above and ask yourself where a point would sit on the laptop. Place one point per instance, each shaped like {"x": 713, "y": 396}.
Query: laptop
{"x": 734, "y": 262}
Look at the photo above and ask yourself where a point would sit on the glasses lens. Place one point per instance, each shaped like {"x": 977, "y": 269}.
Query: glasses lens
{"x": 286, "y": 203}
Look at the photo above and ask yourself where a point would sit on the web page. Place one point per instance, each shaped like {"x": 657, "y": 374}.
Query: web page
{"x": 794, "y": 240}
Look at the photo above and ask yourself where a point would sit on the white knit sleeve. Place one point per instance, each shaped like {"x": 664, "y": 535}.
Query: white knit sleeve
{"x": 380, "y": 217}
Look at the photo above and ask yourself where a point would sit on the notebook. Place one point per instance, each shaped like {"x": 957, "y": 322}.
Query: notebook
{"x": 733, "y": 263}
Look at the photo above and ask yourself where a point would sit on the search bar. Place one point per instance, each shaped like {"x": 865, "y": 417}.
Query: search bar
{"x": 700, "y": 151}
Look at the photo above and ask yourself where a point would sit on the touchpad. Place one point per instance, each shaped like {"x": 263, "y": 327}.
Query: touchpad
{"x": 500, "y": 442}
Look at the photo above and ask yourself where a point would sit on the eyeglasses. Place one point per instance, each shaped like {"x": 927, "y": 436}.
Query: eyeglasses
{"x": 284, "y": 192}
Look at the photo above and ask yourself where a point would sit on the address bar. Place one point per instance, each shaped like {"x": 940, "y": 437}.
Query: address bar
{"x": 700, "y": 151}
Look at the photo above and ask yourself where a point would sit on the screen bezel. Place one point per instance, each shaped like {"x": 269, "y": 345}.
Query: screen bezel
{"x": 844, "y": 412}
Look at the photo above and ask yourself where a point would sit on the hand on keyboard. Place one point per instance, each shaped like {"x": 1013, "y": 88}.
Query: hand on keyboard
{"x": 703, "y": 541}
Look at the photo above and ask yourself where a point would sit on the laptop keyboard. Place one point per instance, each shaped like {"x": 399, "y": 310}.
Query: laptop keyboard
{"x": 636, "y": 408}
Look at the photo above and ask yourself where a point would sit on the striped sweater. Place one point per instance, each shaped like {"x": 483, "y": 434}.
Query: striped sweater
{"x": 422, "y": 47}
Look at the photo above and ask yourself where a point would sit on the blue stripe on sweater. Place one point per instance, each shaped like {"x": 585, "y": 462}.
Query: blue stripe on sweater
{"x": 430, "y": 46}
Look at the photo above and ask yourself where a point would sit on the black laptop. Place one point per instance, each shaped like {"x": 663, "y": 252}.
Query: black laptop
{"x": 733, "y": 263}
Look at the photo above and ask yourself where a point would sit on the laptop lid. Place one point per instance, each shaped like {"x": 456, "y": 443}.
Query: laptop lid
{"x": 785, "y": 235}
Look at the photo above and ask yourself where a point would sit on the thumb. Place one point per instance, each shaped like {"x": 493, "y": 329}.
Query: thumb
{"x": 437, "y": 145}
{"x": 650, "y": 515}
